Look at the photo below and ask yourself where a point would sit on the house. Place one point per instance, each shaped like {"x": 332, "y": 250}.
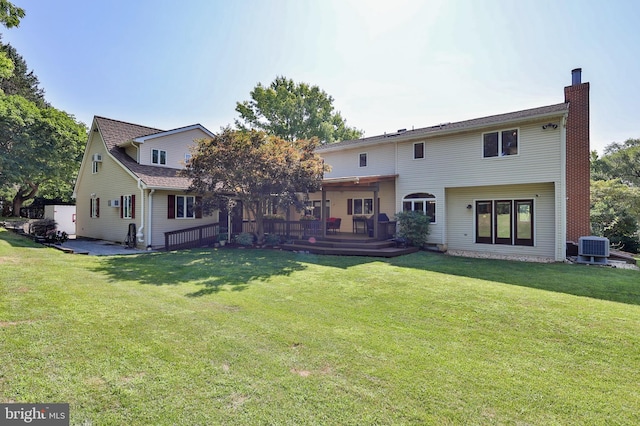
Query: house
{"x": 129, "y": 177}
{"x": 512, "y": 185}
{"x": 508, "y": 185}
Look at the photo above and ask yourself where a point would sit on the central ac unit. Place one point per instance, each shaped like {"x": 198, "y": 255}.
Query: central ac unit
{"x": 97, "y": 158}
{"x": 594, "y": 250}
{"x": 113, "y": 203}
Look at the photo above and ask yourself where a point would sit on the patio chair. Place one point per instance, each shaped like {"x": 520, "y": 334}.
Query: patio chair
{"x": 333, "y": 224}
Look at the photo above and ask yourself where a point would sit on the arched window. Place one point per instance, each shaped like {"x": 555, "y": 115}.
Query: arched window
{"x": 422, "y": 202}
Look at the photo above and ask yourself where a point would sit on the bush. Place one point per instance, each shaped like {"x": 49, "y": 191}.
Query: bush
{"x": 272, "y": 239}
{"x": 413, "y": 226}
{"x": 244, "y": 239}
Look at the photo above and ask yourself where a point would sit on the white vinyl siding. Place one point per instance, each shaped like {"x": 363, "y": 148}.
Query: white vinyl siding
{"x": 461, "y": 220}
{"x": 380, "y": 161}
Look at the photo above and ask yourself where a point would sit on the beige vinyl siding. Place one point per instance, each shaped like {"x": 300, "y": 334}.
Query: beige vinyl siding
{"x": 162, "y": 224}
{"x": 132, "y": 152}
{"x": 380, "y": 161}
{"x": 111, "y": 182}
{"x": 461, "y": 221}
{"x": 338, "y": 202}
{"x": 176, "y": 145}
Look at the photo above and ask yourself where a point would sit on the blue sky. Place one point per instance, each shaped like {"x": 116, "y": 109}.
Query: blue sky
{"x": 387, "y": 64}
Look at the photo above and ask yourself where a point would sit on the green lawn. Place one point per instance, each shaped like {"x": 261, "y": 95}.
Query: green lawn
{"x": 236, "y": 336}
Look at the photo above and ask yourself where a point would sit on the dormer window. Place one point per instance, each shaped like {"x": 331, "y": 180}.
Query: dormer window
{"x": 159, "y": 156}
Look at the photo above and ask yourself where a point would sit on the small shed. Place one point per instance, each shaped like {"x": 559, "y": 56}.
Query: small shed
{"x": 65, "y": 217}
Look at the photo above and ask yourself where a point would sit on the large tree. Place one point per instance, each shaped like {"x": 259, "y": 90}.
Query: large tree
{"x": 294, "y": 111}
{"x": 615, "y": 194}
{"x": 621, "y": 161}
{"x": 254, "y": 168}
{"x": 21, "y": 81}
{"x": 40, "y": 148}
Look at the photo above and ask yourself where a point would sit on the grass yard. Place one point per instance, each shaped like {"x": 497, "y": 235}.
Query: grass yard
{"x": 263, "y": 337}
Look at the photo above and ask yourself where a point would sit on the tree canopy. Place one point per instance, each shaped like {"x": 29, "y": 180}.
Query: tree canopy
{"x": 293, "y": 111}
{"x": 10, "y": 15}
{"x": 255, "y": 168}
{"x": 40, "y": 146}
{"x": 40, "y": 149}
{"x": 615, "y": 194}
{"x": 21, "y": 81}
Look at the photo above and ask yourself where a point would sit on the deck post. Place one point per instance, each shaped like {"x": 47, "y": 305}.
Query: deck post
{"x": 323, "y": 219}
{"x": 375, "y": 211}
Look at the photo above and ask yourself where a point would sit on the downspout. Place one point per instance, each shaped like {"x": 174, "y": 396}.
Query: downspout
{"x": 561, "y": 195}
{"x": 140, "y": 234}
{"x": 150, "y": 215}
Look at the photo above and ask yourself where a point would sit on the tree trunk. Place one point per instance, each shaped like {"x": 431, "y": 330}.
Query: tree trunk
{"x": 23, "y": 195}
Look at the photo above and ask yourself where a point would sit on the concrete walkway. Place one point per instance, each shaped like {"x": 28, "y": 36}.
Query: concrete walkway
{"x": 98, "y": 248}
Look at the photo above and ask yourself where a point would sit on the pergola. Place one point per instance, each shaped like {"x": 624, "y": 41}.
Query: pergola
{"x": 354, "y": 183}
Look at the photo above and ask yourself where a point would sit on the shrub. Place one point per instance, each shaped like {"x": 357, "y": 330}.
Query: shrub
{"x": 272, "y": 239}
{"x": 244, "y": 239}
{"x": 413, "y": 226}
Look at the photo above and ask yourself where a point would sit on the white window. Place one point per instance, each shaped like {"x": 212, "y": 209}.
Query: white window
{"x": 159, "y": 156}
{"x": 418, "y": 150}
{"x": 313, "y": 208}
{"x": 362, "y": 159}
{"x": 127, "y": 207}
{"x": 94, "y": 167}
{"x": 422, "y": 202}
{"x": 359, "y": 206}
{"x": 185, "y": 207}
{"x": 187, "y": 159}
{"x": 500, "y": 144}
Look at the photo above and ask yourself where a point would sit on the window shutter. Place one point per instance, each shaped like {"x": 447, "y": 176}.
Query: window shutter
{"x": 133, "y": 206}
{"x": 97, "y": 207}
{"x": 90, "y": 207}
{"x": 121, "y": 207}
{"x": 198, "y": 207}
{"x": 171, "y": 207}
{"x": 349, "y": 206}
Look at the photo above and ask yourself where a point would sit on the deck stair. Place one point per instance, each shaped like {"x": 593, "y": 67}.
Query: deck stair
{"x": 349, "y": 247}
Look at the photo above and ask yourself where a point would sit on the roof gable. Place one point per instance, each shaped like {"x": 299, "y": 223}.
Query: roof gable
{"x": 115, "y": 133}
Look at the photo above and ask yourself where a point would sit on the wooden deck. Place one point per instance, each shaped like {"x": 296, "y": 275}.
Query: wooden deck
{"x": 348, "y": 244}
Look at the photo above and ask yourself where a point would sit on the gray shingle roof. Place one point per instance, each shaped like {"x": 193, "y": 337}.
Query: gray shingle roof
{"x": 116, "y": 132}
{"x": 460, "y": 126}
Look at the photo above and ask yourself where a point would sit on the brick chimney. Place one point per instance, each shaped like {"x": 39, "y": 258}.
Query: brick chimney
{"x": 578, "y": 155}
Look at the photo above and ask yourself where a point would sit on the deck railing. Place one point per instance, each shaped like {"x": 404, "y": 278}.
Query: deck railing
{"x": 199, "y": 236}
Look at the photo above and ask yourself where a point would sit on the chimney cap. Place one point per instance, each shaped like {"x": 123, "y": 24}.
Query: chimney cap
{"x": 576, "y": 76}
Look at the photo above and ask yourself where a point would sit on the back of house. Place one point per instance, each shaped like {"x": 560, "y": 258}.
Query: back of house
{"x": 513, "y": 185}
